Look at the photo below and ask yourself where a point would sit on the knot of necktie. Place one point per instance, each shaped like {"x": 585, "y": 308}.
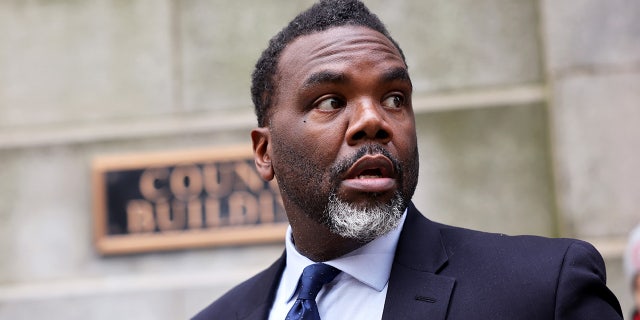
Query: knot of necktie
{"x": 313, "y": 278}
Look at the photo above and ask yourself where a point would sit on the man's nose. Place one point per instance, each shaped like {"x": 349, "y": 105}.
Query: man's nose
{"x": 368, "y": 123}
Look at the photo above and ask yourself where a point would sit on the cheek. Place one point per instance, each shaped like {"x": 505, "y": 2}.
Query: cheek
{"x": 297, "y": 143}
{"x": 319, "y": 142}
{"x": 407, "y": 139}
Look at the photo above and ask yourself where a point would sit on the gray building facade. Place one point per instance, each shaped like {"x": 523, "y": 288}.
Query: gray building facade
{"x": 528, "y": 117}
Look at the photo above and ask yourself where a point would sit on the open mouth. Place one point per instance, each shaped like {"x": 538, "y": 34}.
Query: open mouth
{"x": 370, "y": 174}
{"x": 371, "y": 167}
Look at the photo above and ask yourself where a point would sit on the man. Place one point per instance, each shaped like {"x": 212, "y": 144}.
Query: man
{"x": 336, "y": 130}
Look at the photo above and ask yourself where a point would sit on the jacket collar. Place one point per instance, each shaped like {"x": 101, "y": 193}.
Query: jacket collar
{"x": 416, "y": 290}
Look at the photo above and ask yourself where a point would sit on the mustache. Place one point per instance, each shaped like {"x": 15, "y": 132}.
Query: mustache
{"x": 369, "y": 149}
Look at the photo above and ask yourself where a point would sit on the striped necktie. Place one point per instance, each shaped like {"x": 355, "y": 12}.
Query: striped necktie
{"x": 313, "y": 278}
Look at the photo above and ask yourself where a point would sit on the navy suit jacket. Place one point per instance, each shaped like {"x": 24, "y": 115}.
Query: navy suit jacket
{"x": 444, "y": 272}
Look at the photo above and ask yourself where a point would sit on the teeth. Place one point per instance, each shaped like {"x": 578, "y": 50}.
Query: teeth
{"x": 368, "y": 177}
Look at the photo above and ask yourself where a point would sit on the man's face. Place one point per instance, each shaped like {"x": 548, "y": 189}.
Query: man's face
{"x": 343, "y": 140}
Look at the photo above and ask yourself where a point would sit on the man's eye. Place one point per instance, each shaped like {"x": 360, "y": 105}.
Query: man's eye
{"x": 393, "y": 102}
{"x": 329, "y": 104}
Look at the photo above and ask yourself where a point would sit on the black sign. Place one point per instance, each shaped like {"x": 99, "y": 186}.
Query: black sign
{"x": 180, "y": 200}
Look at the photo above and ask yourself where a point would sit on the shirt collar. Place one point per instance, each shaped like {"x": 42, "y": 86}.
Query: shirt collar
{"x": 369, "y": 264}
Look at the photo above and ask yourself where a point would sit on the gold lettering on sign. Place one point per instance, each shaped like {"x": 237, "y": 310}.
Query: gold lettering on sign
{"x": 249, "y": 177}
{"x": 140, "y": 217}
{"x": 170, "y": 219}
{"x": 212, "y": 212}
{"x": 194, "y": 216}
{"x": 196, "y": 196}
{"x": 186, "y": 182}
{"x": 150, "y": 184}
{"x": 243, "y": 208}
{"x": 219, "y": 180}
{"x": 267, "y": 214}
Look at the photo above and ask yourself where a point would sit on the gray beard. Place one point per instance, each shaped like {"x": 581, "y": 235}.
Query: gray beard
{"x": 366, "y": 223}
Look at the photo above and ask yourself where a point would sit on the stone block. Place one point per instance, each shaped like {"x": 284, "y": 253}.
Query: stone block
{"x": 487, "y": 169}
{"x": 8, "y": 178}
{"x": 596, "y": 138}
{"x": 581, "y": 33}
{"x": 123, "y": 305}
{"x": 66, "y": 61}
{"x": 464, "y": 43}
{"x": 220, "y": 42}
{"x": 45, "y": 214}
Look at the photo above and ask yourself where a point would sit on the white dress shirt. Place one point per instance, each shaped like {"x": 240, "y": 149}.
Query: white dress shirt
{"x": 358, "y": 292}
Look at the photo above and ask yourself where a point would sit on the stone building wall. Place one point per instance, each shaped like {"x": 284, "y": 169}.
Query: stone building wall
{"x": 527, "y": 114}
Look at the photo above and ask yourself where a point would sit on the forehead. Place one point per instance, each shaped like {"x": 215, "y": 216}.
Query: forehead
{"x": 334, "y": 48}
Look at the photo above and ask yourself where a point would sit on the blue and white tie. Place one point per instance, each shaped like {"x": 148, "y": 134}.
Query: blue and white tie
{"x": 313, "y": 278}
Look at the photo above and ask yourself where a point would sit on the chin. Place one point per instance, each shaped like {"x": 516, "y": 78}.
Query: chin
{"x": 363, "y": 222}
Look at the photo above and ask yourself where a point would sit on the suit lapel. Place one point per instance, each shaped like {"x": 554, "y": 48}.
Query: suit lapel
{"x": 416, "y": 290}
{"x": 416, "y": 294}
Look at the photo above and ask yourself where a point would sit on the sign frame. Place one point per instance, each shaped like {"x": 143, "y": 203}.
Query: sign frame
{"x": 107, "y": 244}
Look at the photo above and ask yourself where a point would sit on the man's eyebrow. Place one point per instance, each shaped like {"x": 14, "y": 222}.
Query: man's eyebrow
{"x": 396, "y": 74}
{"x": 323, "y": 77}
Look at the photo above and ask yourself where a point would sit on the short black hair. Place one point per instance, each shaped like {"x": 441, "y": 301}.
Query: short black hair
{"x": 321, "y": 16}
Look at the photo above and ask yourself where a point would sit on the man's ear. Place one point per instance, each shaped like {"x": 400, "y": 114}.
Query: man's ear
{"x": 261, "y": 138}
